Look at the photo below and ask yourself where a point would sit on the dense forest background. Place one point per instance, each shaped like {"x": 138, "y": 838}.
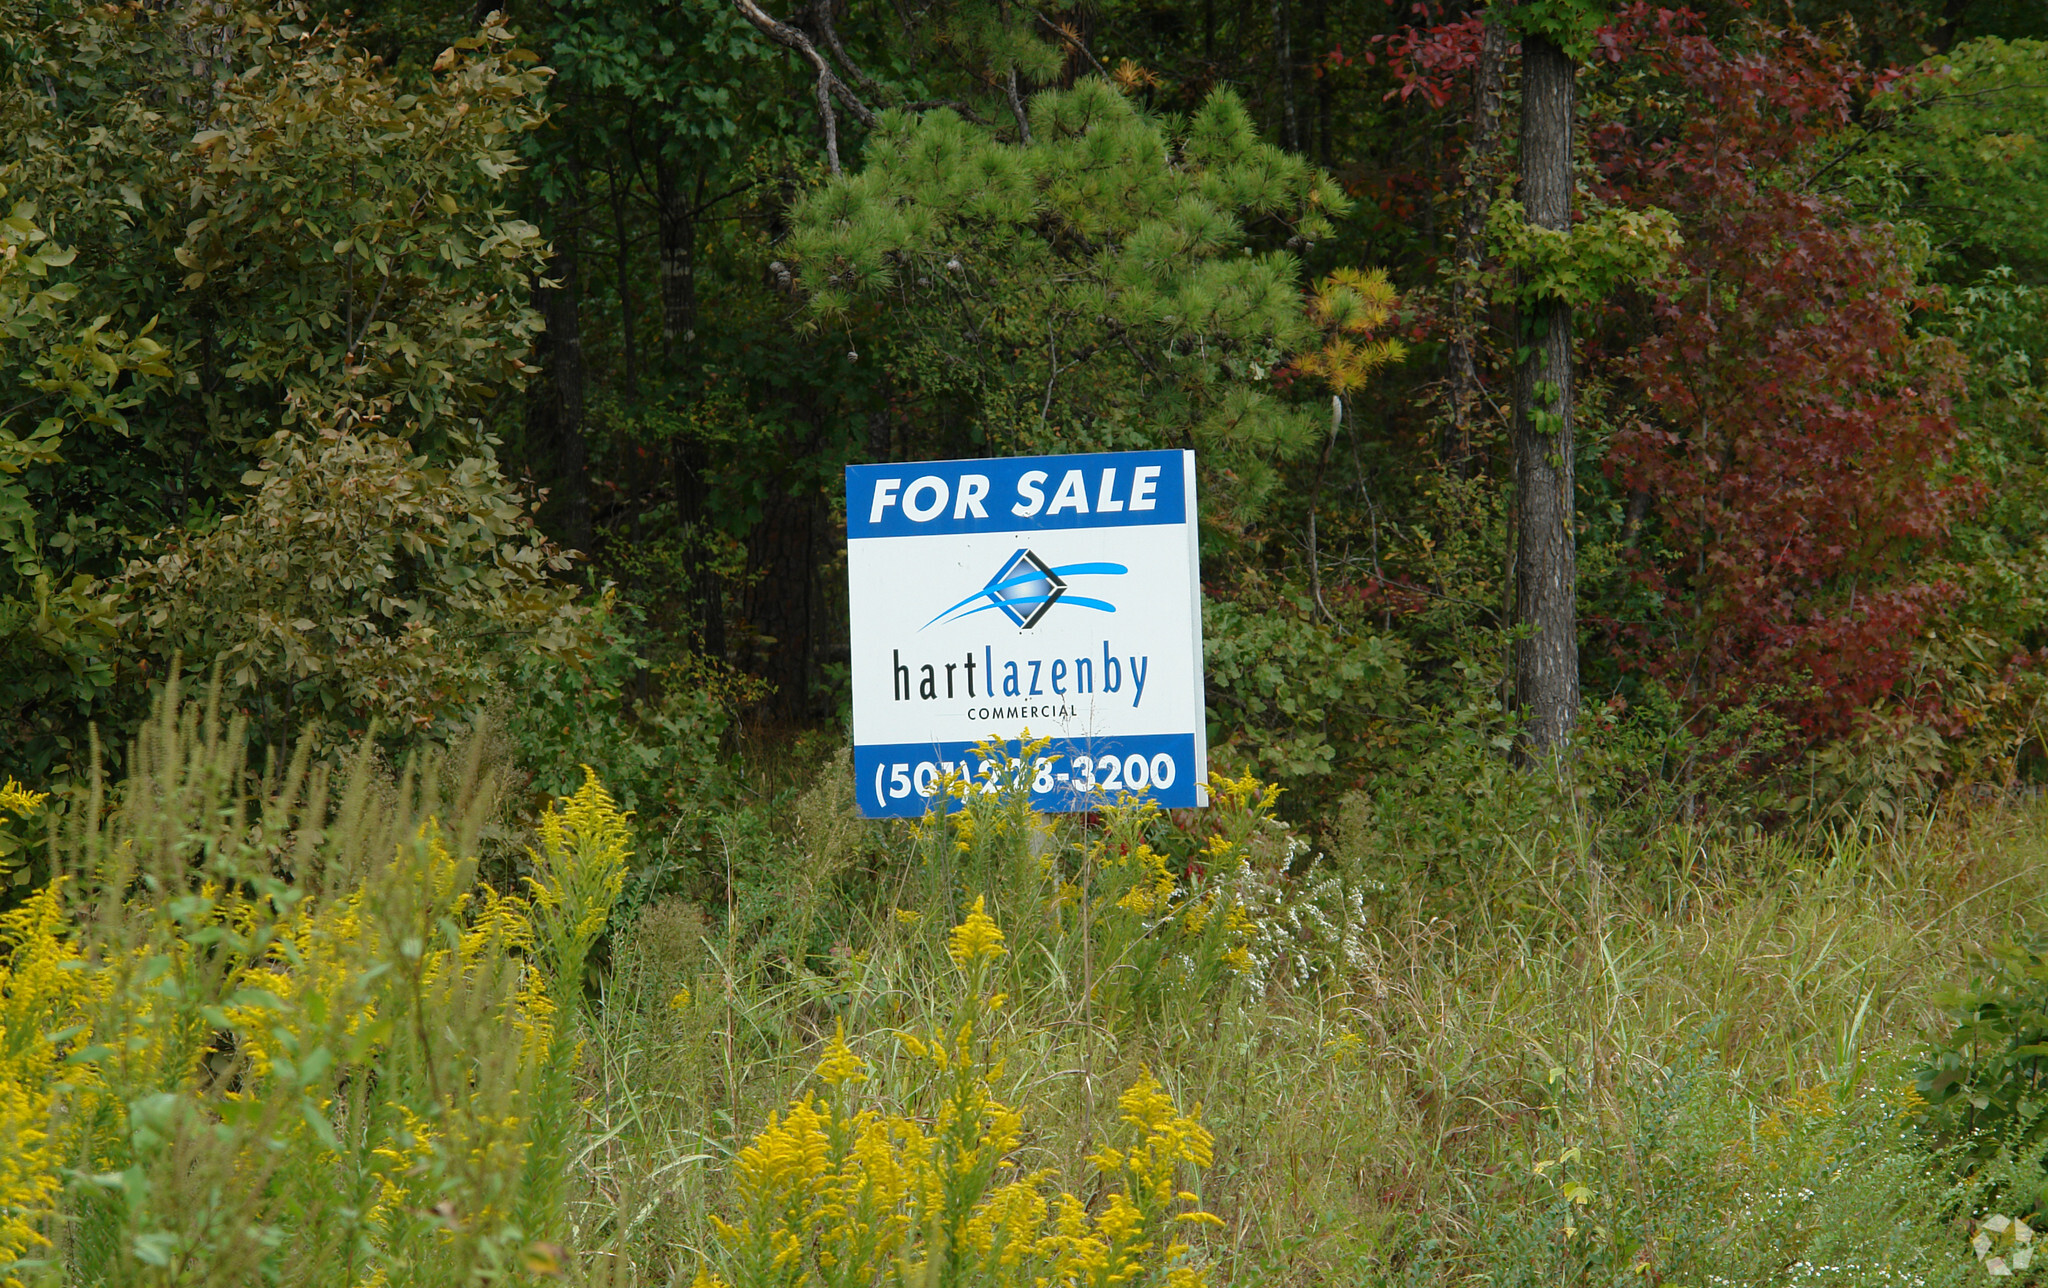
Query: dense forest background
{"x": 412, "y": 361}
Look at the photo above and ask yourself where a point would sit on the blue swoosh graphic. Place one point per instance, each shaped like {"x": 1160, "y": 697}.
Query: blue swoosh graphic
{"x": 1064, "y": 570}
{"x": 1077, "y": 600}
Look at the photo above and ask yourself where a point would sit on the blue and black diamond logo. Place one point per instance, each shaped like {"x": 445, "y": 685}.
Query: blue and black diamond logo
{"x": 1025, "y": 589}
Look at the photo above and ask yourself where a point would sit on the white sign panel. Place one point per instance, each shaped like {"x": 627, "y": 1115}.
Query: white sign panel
{"x": 1055, "y": 594}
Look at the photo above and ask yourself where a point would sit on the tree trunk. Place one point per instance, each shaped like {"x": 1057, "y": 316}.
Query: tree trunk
{"x": 1320, "y": 40}
{"x": 561, "y": 416}
{"x": 1463, "y": 383}
{"x": 878, "y": 434}
{"x": 622, "y": 247}
{"x": 678, "y": 261}
{"x": 785, "y": 550}
{"x": 1546, "y": 556}
{"x": 1283, "y": 62}
{"x": 689, "y": 461}
{"x": 1951, "y": 26}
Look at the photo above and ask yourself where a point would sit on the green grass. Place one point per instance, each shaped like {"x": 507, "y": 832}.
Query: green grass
{"x": 1693, "y": 1069}
{"x": 1569, "y": 1056}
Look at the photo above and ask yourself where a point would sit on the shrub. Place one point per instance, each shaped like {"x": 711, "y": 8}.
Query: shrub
{"x": 660, "y": 754}
{"x": 1293, "y": 696}
{"x": 281, "y": 1035}
{"x": 1986, "y": 1080}
{"x": 360, "y": 582}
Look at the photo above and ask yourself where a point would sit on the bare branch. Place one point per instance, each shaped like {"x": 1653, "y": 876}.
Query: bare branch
{"x": 1069, "y": 38}
{"x": 790, "y": 38}
{"x": 831, "y": 125}
{"x": 821, "y": 12}
{"x": 1017, "y": 109}
{"x": 703, "y": 206}
{"x": 829, "y": 84}
{"x": 23, "y": 405}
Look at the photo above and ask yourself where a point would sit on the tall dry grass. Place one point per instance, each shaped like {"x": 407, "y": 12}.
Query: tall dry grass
{"x": 304, "y": 1045}
{"x": 1692, "y": 1068}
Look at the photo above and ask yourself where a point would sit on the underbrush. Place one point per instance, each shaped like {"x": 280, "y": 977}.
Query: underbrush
{"x": 1698, "y": 1067}
{"x": 287, "y": 1036}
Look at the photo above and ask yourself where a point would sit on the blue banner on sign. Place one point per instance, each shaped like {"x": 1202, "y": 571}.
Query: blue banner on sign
{"x": 1015, "y": 494}
{"x": 1069, "y": 775}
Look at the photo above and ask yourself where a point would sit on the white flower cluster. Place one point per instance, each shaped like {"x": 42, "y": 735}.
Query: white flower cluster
{"x": 1802, "y": 1273}
{"x": 1305, "y": 928}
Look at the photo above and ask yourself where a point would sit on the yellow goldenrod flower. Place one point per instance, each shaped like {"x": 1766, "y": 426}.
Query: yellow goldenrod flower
{"x": 840, "y": 1064}
{"x": 1146, "y": 1105}
{"x": 976, "y": 939}
{"x": 831, "y": 1194}
{"x": 1813, "y": 1102}
{"x": 1239, "y": 793}
{"x": 19, "y": 800}
{"x": 585, "y": 845}
{"x": 44, "y": 986}
{"x": 705, "y": 1279}
{"x": 1120, "y": 1218}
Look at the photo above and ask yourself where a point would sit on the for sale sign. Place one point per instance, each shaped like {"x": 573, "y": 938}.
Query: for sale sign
{"x": 1058, "y": 595}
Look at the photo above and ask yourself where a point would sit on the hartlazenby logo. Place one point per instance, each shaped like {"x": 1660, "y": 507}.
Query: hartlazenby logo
{"x": 1054, "y": 595}
{"x": 1026, "y": 587}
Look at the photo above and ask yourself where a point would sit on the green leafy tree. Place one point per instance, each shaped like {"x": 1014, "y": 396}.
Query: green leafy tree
{"x": 52, "y": 631}
{"x": 352, "y": 232}
{"x": 1956, "y": 146}
{"x": 1294, "y": 696}
{"x": 257, "y": 221}
{"x": 667, "y": 119}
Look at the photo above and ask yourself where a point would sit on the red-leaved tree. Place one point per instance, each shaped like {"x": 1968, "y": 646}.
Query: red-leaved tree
{"x": 1792, "y": 466}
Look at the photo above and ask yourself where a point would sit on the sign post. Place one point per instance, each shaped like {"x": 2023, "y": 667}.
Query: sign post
{"x": 1056, "y": 594}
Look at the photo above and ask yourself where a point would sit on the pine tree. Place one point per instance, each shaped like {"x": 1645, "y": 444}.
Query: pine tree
{"x": 1116, "y": 282}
